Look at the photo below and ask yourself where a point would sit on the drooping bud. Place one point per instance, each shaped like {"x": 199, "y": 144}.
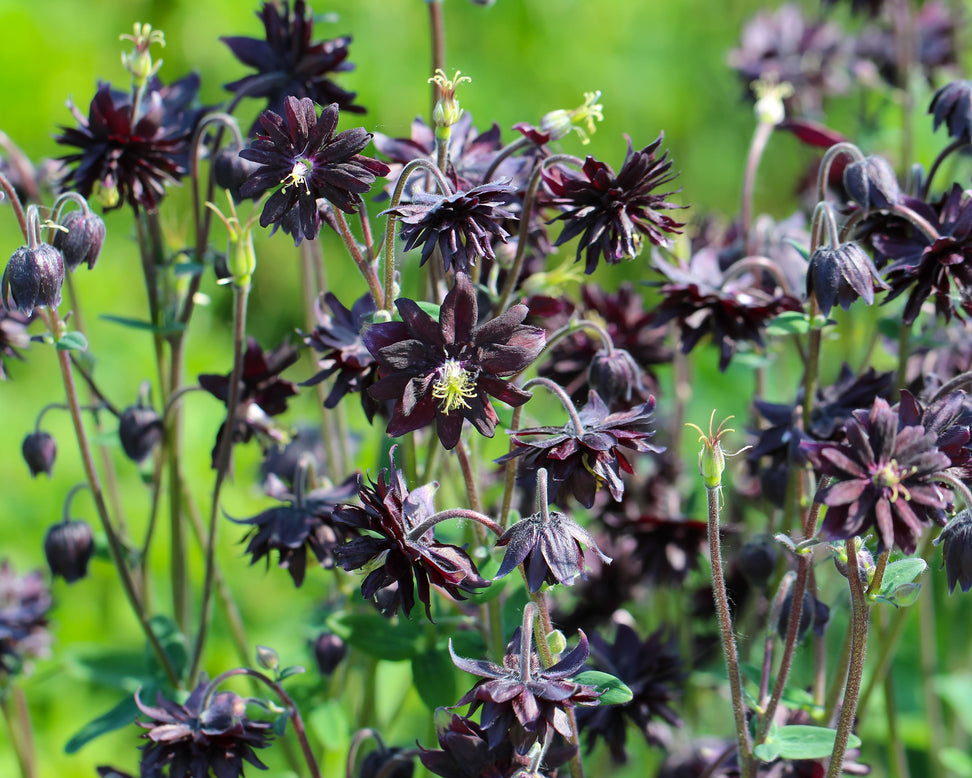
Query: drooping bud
{"x": 379, "y": 762}
{"x": 68, "y": 547}
{"x": 871, "y": 183}
{"x": 33, "y": 278}
{"x": 140, "y": 431}
{"x": 329, "y": 650}
{"x": 956, "y": 542}
{"x": 841, "y": 275}
{"x": 230, "y": 170}
{"x": 615, "y": 376}
{"x": 83, "y": 240}
{"x": 813, "y": 612}
{"x": 757, "y": 560}
{"x": 39, "y": 451}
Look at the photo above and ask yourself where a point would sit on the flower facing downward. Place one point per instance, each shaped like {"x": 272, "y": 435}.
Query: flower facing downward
{"x": 446, "y": 371}
{"x": 302, "y": 160}
{"x": 956, "y": 542}
{"x": 841, "y": 275}
{"x": 952, "y": 106}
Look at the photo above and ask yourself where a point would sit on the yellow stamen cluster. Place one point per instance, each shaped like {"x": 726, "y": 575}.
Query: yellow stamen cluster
{"x": 298, "y": 175}
{"x": 453, "y": 386}
{"x": 891, "y": 475}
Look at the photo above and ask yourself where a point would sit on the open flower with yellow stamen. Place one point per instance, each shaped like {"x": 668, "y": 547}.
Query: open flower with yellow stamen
{"x": 446, "y": 370}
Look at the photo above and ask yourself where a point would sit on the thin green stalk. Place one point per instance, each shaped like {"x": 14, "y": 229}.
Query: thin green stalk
{"x": 928, "y": 653}
{"x": 24, "y": 760}
{"x": 757, "y": 146}
{"x": 363, "y": 265}
{"x": 899, "y": 761}
{"x": 509, "y": 478}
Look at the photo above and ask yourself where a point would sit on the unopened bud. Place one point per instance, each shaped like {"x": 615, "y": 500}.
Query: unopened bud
{"x": 267, "y": 658}
{"x": 33, "y": 278}
{"x": 39, "y": 451}
{"x": 68, "y": 547}
{"x": 82, "y": 240}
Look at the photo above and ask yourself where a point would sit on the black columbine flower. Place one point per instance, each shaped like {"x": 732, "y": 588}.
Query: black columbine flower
{"x": 262, "y": 392}
{"x": 24, "y": 603}
{"x": 956, "y": 542}
{"x": 654, "y": 672}
{"x": 521, "y": 700}
{"x": 303, "y": 522}
{"x": 389, "y": 513}
{"x": 68, "y": 546}
{"x": 344, "y": 355}
{"x": 303, "y": 160}
{"x": 83, "y": 240}
{"x": 463, "y": 225}
{"x": 872, "y": 183}
{"x": 33, "y": 278}
{"x": 288, "y": 62}
{"x": 580, "y": 461}
{"x": 884, "y": 478}
{"x": 952, "y": 106}
{"x": 189, "y": 740}
{"x": 446, "y": 371}
{"x": 548, "y": 544}
{"x": 613, "y": 212}
{"x": 39, "y": 450}
{"x": 841, "y": 275}
{"x": 133, "y": 158}
{"x": 13, "y": 337}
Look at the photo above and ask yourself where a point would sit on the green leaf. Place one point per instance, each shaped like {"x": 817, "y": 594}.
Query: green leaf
{"x": 330, "y": 724}
{"x": 376, "y": 636}
{"x": 173, "y": 643}
{"x": 289, "y": 671}
{"x": 72, "y": 341}
{"x": 789, "y": 323}
{"x": 956, "y": 761}
{"x": 122, "y": 670}
{"x": 141, "y": 324}
{"x": 613, "y": 690}
{"x": 800, "y": 741}
{"x": 434, "y": 676}
{"x": 120, "y": 716}
{"x": 804, "y": 250}
{"x": 897, "y": 585}
{"x": 280, "y": 724}
{"x": 956, "y": 690}
{"x": 890, "y": 328}
{"x": 432, "y": 309}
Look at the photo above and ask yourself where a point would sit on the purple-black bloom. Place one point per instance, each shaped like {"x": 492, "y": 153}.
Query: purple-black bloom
{"x": 952, "y": 106}
{"x": 39, "y": 450}
{"x": 446, "y": 370}
{"x": 956, "y": 542}
{"x": 83, "y": 240}
{"x": 841, "y": 275}
{"x": 68, "y": 546}
{"x": 303, "y": 161}
{"x": 33, "y": 278}
{"x": 24, "y": 603}
{"x": 13, "y": 337}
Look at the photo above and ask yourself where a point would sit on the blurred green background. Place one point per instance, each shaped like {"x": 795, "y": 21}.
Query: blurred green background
{"x": 660, "y": 66}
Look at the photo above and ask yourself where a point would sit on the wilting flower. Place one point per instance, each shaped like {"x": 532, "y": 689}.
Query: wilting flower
{"x": 24, "y": 603}
{"x": 522, "y": 692}
{"x": 580, "y": 461}
{"x": 548, "y": 544}
{"x": 613, "y": 212}
{"x": 190, "y": 740}
{"x": 446, "y": 371}
{"x": 303, "y": 523}
{"x": 133, "y": 158}
{"x": 288, "y": 62}
{"x": 842, "y": 275}
{"x": 884, "y": 478}
{"x": 13, "y": 336}
{"x": 654, "y": 672}
{"x": 463, "y": 225}
{"x": 68, "y": 546}
{"x": 344, "y": 355}
{"x": 956, "y": 542}
{"x": 302, "y": 160}
{"x": 389, "y": 553}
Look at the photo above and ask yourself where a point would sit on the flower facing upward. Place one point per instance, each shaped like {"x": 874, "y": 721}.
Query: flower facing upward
{"x": 884, "y": 477}
{"x": 189, "y": 740}
{"x": 388, "y": 553}
{"x": 614, "y": 212}
{"x": 302, "y": 160}
{"x": 446, "y": 371}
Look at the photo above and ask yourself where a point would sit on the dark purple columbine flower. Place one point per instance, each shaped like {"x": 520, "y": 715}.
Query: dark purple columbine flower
{"x": 338, "y": 336}
{"x": 83, "y": 240}
{"x": 521, "y": 700}
{"x": 841, "y": 275}
{"x": 463, "y": 225}
{"x": 189, "y": 740}
{"x": 613, "y": 212}
{"x": 872, "y": 183}
{"x": 303, "y": 523}
{"x": 24, "y": 603}
{"x": 446, "y": 371}
{"x": 262, "y": 392}
{"x": 956, "y": 542}
{"x": 580, "y": 461}
{"x": 13, "y": 337}
{"x": 288, "y": 62}
{"x": 885, "y": 478}
{"x": 656, "y": 675}
{"x": 33, "y": 279}
{"x": 39, "y": 450}
{"x": 303, "y": 161}
{"x": 68, "y": 546}
{"x": 388, "y": 515}
{"x": 952, "y": 106}
{"x": 132, "y": 158}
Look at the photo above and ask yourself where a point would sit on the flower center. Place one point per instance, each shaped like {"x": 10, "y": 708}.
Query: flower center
{"x": 890, "y": 475}
{"x": 298, "y": 175}
{"x": 453, "y": 386}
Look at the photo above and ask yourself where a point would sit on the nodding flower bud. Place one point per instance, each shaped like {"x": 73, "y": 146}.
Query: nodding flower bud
{"x": 39, "y": 451}
{"x": 33, "y": 278}
{"x": 871, "y": 183}
{"x": 329, "y": 650}
{"x": 956, "y": 542}
{"x": 757, "y": 560}
{"x": 68, "y": 547}
{"x": 447, "y": 110}
{"x": 615, "y": 376}
{"x": 140, "y": 431}
{"x": 83, "y": 239}
{"x": 814, "y": 612}
{"x": 841, "y": 275}
{"x": 230, "y": 170}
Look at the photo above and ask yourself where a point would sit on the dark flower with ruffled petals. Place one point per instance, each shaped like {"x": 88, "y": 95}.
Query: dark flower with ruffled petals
{"x": 446, "y": 371}
{"x": 872, "y": 183}
{"x": 614, "y": 212}
{"x": 580, "y": 461}
{"x": 132, "y": 158}
{"x": 836, "y": 402}
{"x": 24, "y": 603}
{"x": 548, "y": 544}
{"x": 288, "y": 62}
{"x": 841, "y": 275}
{"x": 956, "y": 542}
{"x": 885, "y": 478}
{"x": 303, "y": 523}
{"x": 344, "y": 355}
{"x": 33, "y": 278}
{"x": 667, "y": 547}
{"x": 82, "y": 241}
{"x": 262, "y": 392}
{"x": 389, "y": 513}
{"x": 654, "y": 672}
{"x": 13, "y": 337}
{"x": 949, "y": 417}
{"x": 522, "y": 700}
{"x": 189, "y": 740}
{"x": 303, "y": 161}
{"x": 952, "y": 106}
{"x": 463, "y": 225}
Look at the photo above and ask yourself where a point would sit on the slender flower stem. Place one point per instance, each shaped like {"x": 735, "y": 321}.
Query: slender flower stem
{"x": 240, "y": 297}
{"x": 18, "y": 208}
{"x": 859, "y": 616}
{"x": 569, "y": 329}
{"x": 455, "y": 513}
{"x": 728, "y": 638}
{"x": 955, "y": 145}
{"x": 24, "y": 760}
{"x": 561, "y": 395}
{"x": 930, "y": 667}
{"x": 365, "y": 268}
{"x": 437, "y": 35}
{"x": 823, "y": 172}
{"x": 756, "y": 262}
{"x": 757, "y": 146}
{"x": 810, "y": 377}
{"x": 509, "y": 480}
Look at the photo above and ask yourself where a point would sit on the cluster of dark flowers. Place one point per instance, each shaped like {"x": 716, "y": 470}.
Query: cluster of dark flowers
{"x": 587, "y": 497}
